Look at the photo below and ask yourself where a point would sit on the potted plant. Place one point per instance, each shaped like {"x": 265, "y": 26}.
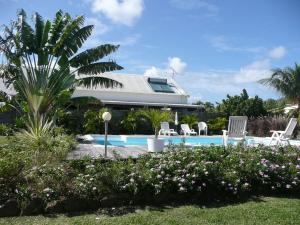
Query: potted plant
{"x": 155, "y": 117}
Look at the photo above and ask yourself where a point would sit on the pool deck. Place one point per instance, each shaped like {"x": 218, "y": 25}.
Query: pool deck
{"x": 114, "y": 152}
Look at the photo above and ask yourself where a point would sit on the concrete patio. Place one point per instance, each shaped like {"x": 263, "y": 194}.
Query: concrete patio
{"x": 114, "y": 152}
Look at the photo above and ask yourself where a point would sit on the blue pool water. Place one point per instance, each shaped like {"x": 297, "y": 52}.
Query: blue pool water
{"x": 134, "y": 140}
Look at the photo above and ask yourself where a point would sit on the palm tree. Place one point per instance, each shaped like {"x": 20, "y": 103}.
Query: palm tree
{"x": 41, "y": 62}
{"x": 156, "y": 116}
{"x": 287, "y": 82}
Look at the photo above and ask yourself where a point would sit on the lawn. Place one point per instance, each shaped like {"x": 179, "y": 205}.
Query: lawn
{"x": 263, "y": 211}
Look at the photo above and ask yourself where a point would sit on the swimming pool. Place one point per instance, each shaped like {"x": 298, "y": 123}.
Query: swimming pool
{"x": 124, "y": 140}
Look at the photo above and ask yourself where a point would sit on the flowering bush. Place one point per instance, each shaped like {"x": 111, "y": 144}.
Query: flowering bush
{"x": 214, "y": 170}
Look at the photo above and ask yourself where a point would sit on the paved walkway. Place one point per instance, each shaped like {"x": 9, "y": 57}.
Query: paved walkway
{"x": 96, "y": 151}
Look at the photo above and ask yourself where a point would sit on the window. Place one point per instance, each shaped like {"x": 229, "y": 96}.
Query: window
{"x": 160, "y": 85}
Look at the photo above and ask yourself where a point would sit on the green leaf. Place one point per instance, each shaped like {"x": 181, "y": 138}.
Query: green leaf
{"x": 100, "y": 67}
{"x": 94, "y": 82}
{"x": 93, "y": 55}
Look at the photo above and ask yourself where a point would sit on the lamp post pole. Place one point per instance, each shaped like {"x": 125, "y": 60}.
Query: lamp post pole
{"x": 105, "y": 142}
{"x": 106, "y": 116}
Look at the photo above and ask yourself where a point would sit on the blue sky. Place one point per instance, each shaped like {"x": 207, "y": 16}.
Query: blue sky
{"x": 215, "y": 47}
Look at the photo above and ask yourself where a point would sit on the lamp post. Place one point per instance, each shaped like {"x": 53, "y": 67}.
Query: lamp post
{"x": 106, "y": 116}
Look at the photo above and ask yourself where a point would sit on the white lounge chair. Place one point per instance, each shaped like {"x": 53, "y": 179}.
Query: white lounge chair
{"x": 165, "y": 129}
{"x": 185, "y": 129}
{"x": 202, "y": 126}
{"x": 284, "y": 136}
{"x": 236, "y": 129}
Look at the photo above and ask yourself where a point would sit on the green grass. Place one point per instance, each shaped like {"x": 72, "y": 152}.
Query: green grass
{"x": 264, "y": 211}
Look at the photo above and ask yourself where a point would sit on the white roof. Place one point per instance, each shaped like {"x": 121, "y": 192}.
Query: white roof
{"x": 133, "y": 83}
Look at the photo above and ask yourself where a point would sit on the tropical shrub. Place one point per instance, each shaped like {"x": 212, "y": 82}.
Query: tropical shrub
{"x": 131, "y": 120}
{"x": 41, "y": 62}
{"x": 242, "y": 105}
{"x": 215, "y": 126}
{"x": 5, "y": 129}
{"x": 155, "y": 117}
{"x": 93, "y": 122}
{"x": 209, "y": 171}
{"x": 191, "y": 120}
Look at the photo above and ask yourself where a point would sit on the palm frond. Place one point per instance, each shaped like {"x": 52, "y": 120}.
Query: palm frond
{"x": 76, "y": 40}
{"x": 57, "y": 27}
{"x": 93, "y": 55}
{"x": 39, "y": 30}
{"x": 94, "y": 82}
{"x": 68, "y": 30}
{"x": 100, "y": 67}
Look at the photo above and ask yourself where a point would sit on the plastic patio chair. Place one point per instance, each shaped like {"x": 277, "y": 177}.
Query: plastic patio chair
{"x": 284, "y": 136}
{"x": 185, "y": 129}
{"x": 202, "y": 126}
{"x": 236, "y": 129}
{"x": 165, "y": 129}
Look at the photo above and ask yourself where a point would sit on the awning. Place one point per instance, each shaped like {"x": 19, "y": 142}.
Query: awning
{"x": 152, "y": 104}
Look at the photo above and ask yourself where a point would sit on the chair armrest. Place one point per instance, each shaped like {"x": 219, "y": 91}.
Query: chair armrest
{"x": 172, "y": 130}
{"x": 225, "y": 131}
{"x": 277, "y": 131}
{"x": 192, "y": 130}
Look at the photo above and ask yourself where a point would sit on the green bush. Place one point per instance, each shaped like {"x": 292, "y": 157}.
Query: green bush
{"x": 93, "y": 122}
{"x": 191, "y": 120}
{"x": 5, "y": 130}
{"x": 210, "y": 171}
{"x": 215, "y": 126}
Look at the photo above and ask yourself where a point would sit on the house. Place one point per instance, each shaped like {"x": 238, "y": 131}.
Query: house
{"x": 288, "y": 108}
{"x": 140, "y": 91}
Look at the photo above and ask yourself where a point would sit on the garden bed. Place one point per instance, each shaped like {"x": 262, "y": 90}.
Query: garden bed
{"x": 177, "y": 175}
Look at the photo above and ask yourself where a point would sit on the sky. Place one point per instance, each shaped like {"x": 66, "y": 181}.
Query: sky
{"x": 211, "y": 47}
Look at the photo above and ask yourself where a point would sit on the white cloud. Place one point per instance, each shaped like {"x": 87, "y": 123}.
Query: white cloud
{"x": 125, "y": 12}
{"x": 222, "y": 44}
{"x": 174, "y": 65}
{"x": 99, "y": 27}
{"x": 154, "y": 72}
{"x": 254, "y": 71}
{"x": 215, "y": 84}
{"x": 277, "y": 53}
{"x": 177, "y": 65}
{"x": 128, "y": 41}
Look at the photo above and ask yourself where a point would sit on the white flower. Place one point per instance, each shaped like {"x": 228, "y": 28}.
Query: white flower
{"x": 47, "y": 189}
{"x": 288, "y": 186}
{"x": 94, "y": 188}
{"x": 182, "y": 189}
{"x": 131, "y": 180}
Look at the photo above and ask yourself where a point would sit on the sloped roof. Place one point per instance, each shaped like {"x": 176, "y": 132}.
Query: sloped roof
{"x": 133, "y": 83}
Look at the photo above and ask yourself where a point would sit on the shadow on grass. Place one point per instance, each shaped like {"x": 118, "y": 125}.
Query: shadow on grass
{"x": 198, "y": 201}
